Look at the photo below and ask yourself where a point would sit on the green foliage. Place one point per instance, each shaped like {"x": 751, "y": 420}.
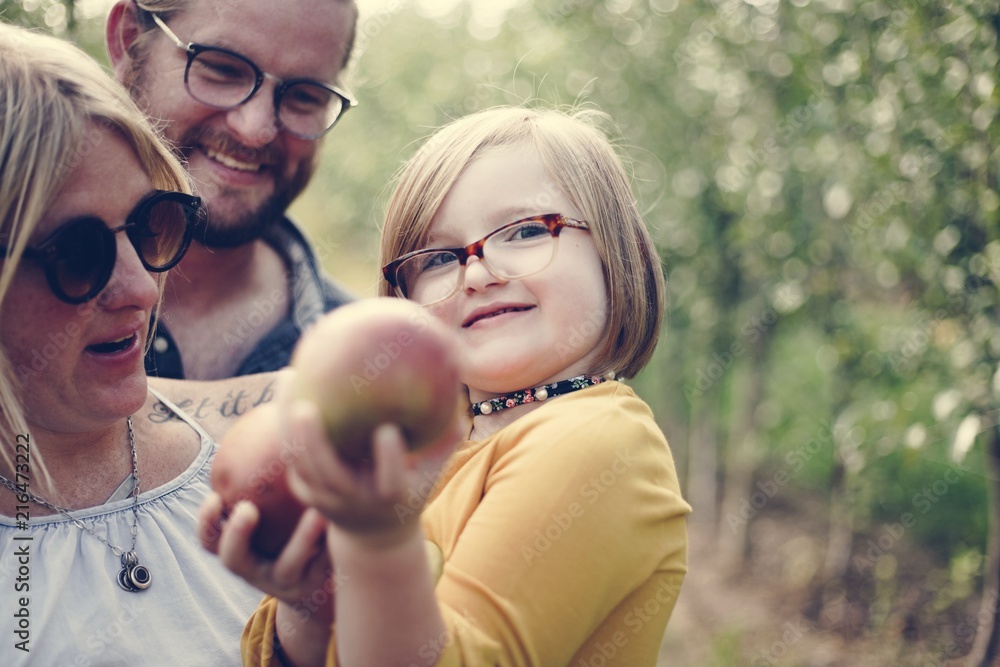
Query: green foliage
{"x": 82, "y": 23}
{"x": 821, "y": 177}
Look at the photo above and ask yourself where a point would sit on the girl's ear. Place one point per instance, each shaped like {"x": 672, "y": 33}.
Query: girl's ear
{"x": 120, "y": 34}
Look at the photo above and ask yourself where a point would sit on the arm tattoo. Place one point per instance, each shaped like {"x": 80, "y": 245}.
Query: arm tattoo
{"x": 236, "y": 403}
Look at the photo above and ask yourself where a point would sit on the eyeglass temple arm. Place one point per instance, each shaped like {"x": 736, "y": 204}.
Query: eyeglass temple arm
{"x": 169, "y": 32}
{"x": 28, "y": 253}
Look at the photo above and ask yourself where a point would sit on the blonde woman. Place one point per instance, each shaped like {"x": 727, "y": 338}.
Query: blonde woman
{"x": 102, "y": 474}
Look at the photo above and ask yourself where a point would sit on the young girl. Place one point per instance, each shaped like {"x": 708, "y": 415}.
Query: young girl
{"x": 555, "y": 532}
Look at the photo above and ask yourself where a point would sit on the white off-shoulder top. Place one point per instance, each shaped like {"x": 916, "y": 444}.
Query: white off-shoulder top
{"x": 76, "y": 615}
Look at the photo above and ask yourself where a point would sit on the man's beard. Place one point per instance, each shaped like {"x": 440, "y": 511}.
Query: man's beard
{"x": 252, "y": 225}
{"x": 246, "y": 225}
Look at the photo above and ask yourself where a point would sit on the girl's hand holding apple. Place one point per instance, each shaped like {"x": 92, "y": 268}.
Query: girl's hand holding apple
{"x": 379, "y": 503}
{"x": 369, "y": 413}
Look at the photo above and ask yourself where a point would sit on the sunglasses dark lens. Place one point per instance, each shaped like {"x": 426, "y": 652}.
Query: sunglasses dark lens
{"x": 161, "y": 236}
{"x": 83, "y": 257}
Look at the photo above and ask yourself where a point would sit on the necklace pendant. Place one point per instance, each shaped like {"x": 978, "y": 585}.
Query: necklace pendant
{"x": 133, "y": 577}
{"x": 125, "y": 582}
{"x": 140, "y": 577}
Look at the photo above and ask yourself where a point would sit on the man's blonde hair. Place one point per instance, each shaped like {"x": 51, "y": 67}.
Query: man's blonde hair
{"x": 138, "y": 51}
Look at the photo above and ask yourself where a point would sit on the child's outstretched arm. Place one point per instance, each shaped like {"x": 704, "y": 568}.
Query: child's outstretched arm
{"x": 386, "y": 607}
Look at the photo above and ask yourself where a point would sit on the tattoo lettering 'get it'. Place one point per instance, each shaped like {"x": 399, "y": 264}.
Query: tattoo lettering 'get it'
{"x": 236, "y": 403}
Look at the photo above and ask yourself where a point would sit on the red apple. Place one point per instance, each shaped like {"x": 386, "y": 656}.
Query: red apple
{"x": 375, "y": 361}
{"x": 250, "y": 464}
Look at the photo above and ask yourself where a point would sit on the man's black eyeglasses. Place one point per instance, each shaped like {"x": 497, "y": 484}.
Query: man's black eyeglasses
{"x": 79, "y": 257}
{"x": 224, "y": 79}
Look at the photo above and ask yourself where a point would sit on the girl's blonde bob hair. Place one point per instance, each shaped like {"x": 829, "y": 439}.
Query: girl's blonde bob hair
{"x": 586, "y": 167}
{"x": 56, "y": 106}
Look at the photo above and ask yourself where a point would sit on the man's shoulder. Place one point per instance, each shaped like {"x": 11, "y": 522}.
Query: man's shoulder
{"x": 305, "y": 264}
{"x": 288, "y": 239}
{"x": 334, "y": 294}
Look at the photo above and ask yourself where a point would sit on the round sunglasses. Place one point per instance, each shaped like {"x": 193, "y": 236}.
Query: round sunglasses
{"x": 79, "y": 257}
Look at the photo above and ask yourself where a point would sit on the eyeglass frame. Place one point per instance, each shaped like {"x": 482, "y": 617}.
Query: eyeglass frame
{"x": 44, "y": 252}
{"x": 555, "y": 222}
{"x": 193, "y": 49}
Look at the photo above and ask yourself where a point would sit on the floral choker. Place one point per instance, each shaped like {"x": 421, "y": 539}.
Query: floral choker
{"x": 541, "y": 393}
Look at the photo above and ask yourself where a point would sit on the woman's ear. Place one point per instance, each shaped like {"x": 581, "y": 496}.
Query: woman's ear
{"x": 120, "y": 34}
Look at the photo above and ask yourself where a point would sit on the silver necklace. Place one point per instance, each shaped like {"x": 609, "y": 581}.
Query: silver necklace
{"x": 132, "y": 577}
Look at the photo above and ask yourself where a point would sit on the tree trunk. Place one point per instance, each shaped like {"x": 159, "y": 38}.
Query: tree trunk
{"x": 743, "y": 455}
{"x": 840, "y": 535}
{"x": 71, "y": 17}
{"x": 703, "y": 464}
{"x": 986, "y": 649}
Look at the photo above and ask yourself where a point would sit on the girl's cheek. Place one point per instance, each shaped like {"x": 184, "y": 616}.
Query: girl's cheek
{"x": 443, "y": 311}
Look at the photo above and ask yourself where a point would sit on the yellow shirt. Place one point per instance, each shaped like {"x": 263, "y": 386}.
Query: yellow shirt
{"x": 562, "y": 538}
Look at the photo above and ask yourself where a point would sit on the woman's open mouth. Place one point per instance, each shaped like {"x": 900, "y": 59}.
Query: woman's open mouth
{"x": 113, "y": 346}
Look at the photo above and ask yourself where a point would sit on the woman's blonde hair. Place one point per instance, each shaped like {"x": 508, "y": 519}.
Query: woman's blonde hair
{"x": 56, "y": 105}
{"x": 587, "y": 169}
